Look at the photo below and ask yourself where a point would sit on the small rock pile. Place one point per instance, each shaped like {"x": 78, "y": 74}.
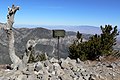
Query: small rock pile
{"x": 65, "y": 69}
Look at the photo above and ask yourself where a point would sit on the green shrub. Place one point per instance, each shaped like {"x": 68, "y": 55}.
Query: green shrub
{"x": 97, "y": 45}
{"x": 36, "y": 57}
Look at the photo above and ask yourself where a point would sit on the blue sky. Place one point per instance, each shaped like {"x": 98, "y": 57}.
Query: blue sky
{"x": 64, "y": 12}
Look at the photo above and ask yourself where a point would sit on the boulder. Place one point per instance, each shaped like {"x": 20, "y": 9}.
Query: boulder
{"x": 114, "y": 65}
{"x": 30, "y": 67}
{"x": 66, "y": 77}
{"x": 22, "y": 77}
{"x": 53, "y": 60}
{"x": 32, "y": 77}
{"x": 69, "y": 72}
{"x": 38, "y": 66}
{"x": 60, "y": 72}
{"x": 54, "y": 78}
{"x": 118, "y": 64}
{"x": 65, "y": 65}
{"x": 78, "y": 60}
{"x": 56, "y": 66}
{"x": 51, "y": 68}
{"x": 4, "y": 78}
{"x": 39, "y": 72}
{"x": 47, "y": 63}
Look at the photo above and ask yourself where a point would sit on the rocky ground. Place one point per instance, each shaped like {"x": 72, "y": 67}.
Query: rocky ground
{"x": 66, "y": 69}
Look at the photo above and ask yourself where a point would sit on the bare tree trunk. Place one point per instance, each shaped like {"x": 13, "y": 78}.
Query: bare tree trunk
{"x": 15, "y": 59}
{"x": 17, "y": 62}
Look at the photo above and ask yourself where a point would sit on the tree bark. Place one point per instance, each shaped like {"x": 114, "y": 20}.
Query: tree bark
{"x": 17, "y": 62}
{"x": 14, "y": 58}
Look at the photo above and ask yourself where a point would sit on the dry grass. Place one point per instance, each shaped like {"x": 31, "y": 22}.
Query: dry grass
{"x": 110, "y": 59}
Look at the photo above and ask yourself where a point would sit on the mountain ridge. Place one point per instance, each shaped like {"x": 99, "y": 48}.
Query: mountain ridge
{"x": 82, "y": 28}
{"x": 46, "y": 42}
{"x": 22, "y": 35}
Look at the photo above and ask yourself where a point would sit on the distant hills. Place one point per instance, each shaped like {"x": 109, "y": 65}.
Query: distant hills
{"x": 82, "y": 29}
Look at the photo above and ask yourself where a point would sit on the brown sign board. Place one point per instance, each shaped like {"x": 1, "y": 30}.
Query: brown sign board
{"x": 58, "y": 33}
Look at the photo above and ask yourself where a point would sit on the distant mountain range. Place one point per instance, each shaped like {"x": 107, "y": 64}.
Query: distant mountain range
{"x": 82, "y": 29}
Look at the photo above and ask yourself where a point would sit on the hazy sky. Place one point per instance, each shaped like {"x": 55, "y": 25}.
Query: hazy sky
{"x": 64, "y": 12}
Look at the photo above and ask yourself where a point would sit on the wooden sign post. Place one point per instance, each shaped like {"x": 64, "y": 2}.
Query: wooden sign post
{"x": 57, "y": 34}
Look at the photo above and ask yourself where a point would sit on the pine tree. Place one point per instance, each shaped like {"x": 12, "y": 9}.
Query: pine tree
{"x": 97, "y": 45}
{"x": 108, "y": 39}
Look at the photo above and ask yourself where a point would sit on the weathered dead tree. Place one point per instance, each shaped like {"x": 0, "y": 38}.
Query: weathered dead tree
{"x": 8, "y": 27}
{"x": 17, "y": 62}
{"x": 10, "y": 20}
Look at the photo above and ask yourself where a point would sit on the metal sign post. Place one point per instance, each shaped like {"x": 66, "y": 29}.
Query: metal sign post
{"x": 58, "y": 34}
{"x": 58, "y": 48}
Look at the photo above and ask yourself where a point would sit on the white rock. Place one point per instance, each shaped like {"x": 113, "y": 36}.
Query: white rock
{"x": 47, "y": 67}
{"x": 53, "y": 60}
{"x": 66, "y": 77}
{"x": 38, "y": 66}
{"x": 56, "y": 64}
{"x": 113, "y": 65}
{"x": 22, "y": 77}
{"x": 53, "y": 73}
{"x": 30, "y": 67}
{"x": 67, "y": 70}
{"x": 47, "y": 63}
{"x": 78, "y": 60}
{"x": 80, "y": 78}
{"x": 39, "y": 72}
{"x": 32, "y": 77}
{"x": 60, "y": 72}
{"x": 7, "y": 70}
{"x": 65, "y": 65}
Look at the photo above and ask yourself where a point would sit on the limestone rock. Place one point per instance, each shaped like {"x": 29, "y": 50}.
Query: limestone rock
{"x": 30, "y": 67}
{"x": 22, "y": 77}
{"x": 53, "y": 60}
{"x": 32, "y": 77}
{"x": 65, "y": 65}
{"x": 47, "y": 63}
{"x": 38, "y": 66}
{"x": 66, "y": 77}
{"x": 66, "y": 70}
